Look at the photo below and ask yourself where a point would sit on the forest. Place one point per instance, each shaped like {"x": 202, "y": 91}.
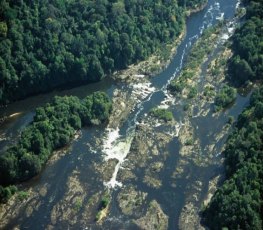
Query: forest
{"x": 238, "y": 203}
{"x": 52, "y": 44}
{"x": 191, "y": 4}
{"x": 53, "y": 127}
{"x": 247, "y": 61}
{"x": 49, "y": 44}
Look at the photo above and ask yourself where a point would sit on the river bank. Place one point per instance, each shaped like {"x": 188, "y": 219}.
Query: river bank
{"x": 147, "y": 151}
{"x": 196, "y": 9}
{"x": 164, "y": 165}
{"x": 123, "y": 103}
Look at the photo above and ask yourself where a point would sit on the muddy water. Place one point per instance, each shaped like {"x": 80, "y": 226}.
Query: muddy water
{"x": 102, "y": 145}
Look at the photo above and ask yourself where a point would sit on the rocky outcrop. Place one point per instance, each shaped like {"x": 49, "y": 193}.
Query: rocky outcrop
{"x": 131, "y": 201}
{"x": 154, "y": 218}
{"x": 67, "y": 208}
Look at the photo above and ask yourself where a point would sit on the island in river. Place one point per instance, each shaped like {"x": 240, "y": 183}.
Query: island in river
{"x": 156, "y": 172}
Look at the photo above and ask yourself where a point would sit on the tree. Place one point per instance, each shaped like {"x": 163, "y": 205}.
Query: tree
{"x": 3, "y": 29}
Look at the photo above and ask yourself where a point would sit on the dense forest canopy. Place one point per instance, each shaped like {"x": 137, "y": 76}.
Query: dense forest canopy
{"x": 247, "y": 62}
{"x": 45, "y": 44}
{"x": 191, "y": 4}
{"x": 53, "y": 126}
{"x": 238, "y": 204}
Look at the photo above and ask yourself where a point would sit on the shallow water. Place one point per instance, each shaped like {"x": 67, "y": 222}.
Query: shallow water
{"x": 174, "y": 192}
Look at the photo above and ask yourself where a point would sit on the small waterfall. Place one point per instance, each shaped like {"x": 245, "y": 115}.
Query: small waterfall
{"x": 116, "y": 146}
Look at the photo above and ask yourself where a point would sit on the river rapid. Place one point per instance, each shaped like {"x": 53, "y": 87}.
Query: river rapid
{"x": 140, "y": 157}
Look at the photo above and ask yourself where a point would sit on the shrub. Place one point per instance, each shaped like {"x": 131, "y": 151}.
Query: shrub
{"x": 225, "y": 97}
{"x": 162, "y": 114}
{"x": 53, "y": 127}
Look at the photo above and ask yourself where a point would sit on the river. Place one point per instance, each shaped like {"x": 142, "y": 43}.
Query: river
{"x": 50, "y": 206}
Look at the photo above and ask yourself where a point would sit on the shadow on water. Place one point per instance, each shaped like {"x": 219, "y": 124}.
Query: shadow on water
{"x": 20, "y": 113}
{"x": 172, "y": 194}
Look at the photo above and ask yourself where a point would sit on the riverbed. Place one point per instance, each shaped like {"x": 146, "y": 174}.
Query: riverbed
{"x": 158, "y": 174}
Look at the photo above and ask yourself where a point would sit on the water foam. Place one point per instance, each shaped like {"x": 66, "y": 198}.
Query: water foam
{"x": 238, "y": 4}
{"x": 116, "y": 147}
{"x": 142, "y": 90}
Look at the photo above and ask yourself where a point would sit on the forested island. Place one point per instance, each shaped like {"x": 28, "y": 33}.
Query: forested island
{"x": 53, "y": 127}
{"x": 238, "y": 204}
{"x": 160, "y": 151}
{"x": 49, "y": 44}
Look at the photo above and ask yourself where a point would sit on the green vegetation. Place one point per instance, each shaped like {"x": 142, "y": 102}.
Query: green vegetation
{"x": 22, "y": 195}
{"x": 78, "y": 204}
{"x": 192, "y": 92}
{"x": 176, "y": 86}
{"x": 247, "y": 62}
{"x": 6, "y": 193}
{"x": 98, "y": 216}
{"x": 162, "y": 114}
{"x": 189, "y": 142}
{"x": 105, "y": 201}
{"x": 186, "y": 106}
{"x": 219, "y": 63}
{"x": 209, "y": 91}
{"x": 198, "y": 53}
{"x": 237, "y": 204}
{"x": 231, "y": 120}
{"x": 192, "y": 4}
{"x": 53, "y": 126}
{"x": 225, "y": 97}
{"x": 45, "y": 44}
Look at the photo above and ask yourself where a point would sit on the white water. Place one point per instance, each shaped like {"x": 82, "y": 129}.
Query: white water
{"x": 116, "y": 146}
{"x": 238, "y": 4}
{"x": 230, "y": 29}
{"x": 221, "y": 17}
{"x": 141, "y": 90}
{"x": 178, "y": 128}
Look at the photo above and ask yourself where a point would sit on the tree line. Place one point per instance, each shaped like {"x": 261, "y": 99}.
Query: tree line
{"x": 46, "y": 44}
{"x": 53, "y": 126}
{"x": 247, "y": 61}
{"x": 237, "y": 204}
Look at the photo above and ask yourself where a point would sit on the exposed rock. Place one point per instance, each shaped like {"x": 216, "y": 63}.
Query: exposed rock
{"x": 152, "y": 181}
{"x": 106, "y": 169}
{"x": 131, "y": 201}
{"x": 151, "y": 177}
{"x": 189, "y": 144}
{"x": 189, "y": 218}
{"x": 212, "y": 187}
{"x": 67, "y": 208}
{"x": 15, "y": 206}
{"x": 153, "y": 219}
{"x": 122, "y": 105}
{"x": 90, "y": 209}
{"x": 43, "y": 190}
{"x": 59, "y": 154}
{"x": 127, "y": 174}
